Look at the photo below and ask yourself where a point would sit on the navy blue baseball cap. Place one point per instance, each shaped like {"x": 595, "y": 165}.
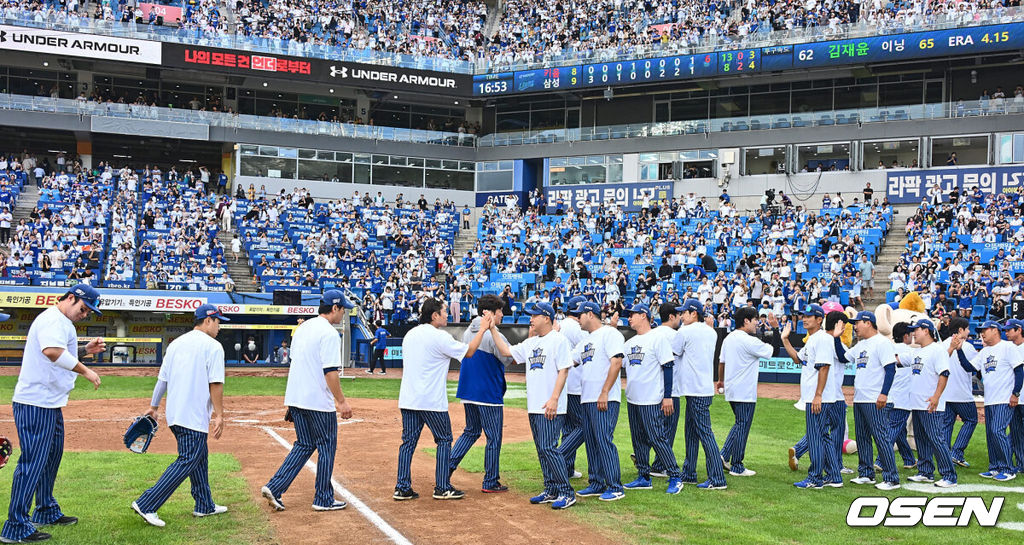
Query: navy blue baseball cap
{"x": 642, "y": 309}
{"x": 88, "y": 295}
{"x": 210, "y": 311}
{"x": 990, "y": 324}
{"x": 1013, "y": 323}
{"x": 813, "y": 310}
{"x": 923, "y": 323}
{"x": 572, "y": 305}
{"x": 589, "y": 306}
{"x": 692, "y": 305}
{"x": 335, "y": 297}
{"x": 866, "y": 316}
{"x": 542, "y": 309}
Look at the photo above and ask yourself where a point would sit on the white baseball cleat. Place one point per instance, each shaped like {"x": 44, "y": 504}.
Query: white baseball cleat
{"x": 884, "y": 486}
{"x": 150, "y": 518}
{"x": 745, "y": 473}
{"x": 862, "y": 480}
{"x": 217, "y": 510}
{"x": 945, "y": 484}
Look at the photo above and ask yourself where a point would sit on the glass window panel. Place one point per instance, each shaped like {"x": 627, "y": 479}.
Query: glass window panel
{"x": 890, "y": 154}
{"x": 325, "y": 155}
{"x": 380, "y": 159}
{"x": 400, "y": 176}
{"x": 361, "y": 158}
{"x": 770, "y": 160}
{"x": 307, "y": 154}
{"x": 449, "y": 179}
{"x": 490, "y": 181}
{"x": 361, "y": 173}
{"x": 342, "y": 156}
{"x": 506, "y": 165}
{"x": 248, "y": 150}
{"x": 433, "y": 163}
{"x": 325, "y": 171}
{"x": 268, "y": 167}
{"x": 558, "y": 162}
{"x": 595, "y": 159}
{"x": 969, "y": 150}
{"x": 826, "y": 156}
{"x": 268, "y": 151}
{"x": 415, "y": 162}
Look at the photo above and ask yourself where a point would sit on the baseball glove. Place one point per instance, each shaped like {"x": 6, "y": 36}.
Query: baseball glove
{"x": 5, "y": 450}
{"x": 140, "y": 433}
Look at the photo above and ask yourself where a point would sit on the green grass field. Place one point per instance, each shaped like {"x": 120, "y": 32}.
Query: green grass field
{"x": 762, "y": 509}
{"x": 99, "y": 487}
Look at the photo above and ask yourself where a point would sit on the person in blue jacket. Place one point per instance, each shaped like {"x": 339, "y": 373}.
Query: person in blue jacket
{"x": 380, "y": 344}
{"x": 482, "y": 391}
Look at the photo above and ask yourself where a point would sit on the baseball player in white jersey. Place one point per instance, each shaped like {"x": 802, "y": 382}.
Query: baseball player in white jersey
{"x": 694, "y": 349}
{"x": 423, "y": 396}
{"x": 874, "y": 357}
{"x": 959, "y": 396}
{"x": 899, "y": 395}
{"x": 818, "y": 358}
{"x": 572, "y": 431}
{"x": 929, "y": 373}
{"x": 314, "y": 399}
{"x": 648, "y": 364}
{"x": 670, "y": 321}
{"x": 1015, "y": 334}
{"x": 1002, "y": 367}
{"x": 601, "y": 354}
{"x": 548, "y": 357}
{"x": 738, "y": 367}
{"x": 49, "y": 367}
{"x": 192, "y": 376}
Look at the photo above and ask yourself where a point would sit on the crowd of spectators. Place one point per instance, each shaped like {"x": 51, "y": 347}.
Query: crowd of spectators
{"x": 964, "y": 254}
{"x": 527, "y": 31}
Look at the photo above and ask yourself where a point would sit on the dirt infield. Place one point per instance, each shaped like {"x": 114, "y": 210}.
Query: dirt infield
{"x": 365, "y": 465}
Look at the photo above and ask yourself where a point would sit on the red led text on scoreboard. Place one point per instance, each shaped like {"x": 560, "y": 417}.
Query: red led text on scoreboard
{"x": 246, "y": 62}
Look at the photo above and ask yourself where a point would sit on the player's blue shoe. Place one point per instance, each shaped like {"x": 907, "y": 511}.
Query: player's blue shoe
{"x": 563, "y": 502}
{"x": 808, "y": 484}
{"x": 639, "y": 484}
{"x": 1003, "y": 477}
{"x": 988, "y": 474}
{"x": 543, "y": 498}
{"x": 961, "y": 463}
{"x": 612, "y": 496}
{"x": 707, "y": 485}
{"x": 675, "y": 486}
{"x": 590, "y": 491}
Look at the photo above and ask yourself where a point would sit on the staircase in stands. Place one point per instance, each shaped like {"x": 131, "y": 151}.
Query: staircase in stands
{"x": 240, "y": 272}
{"x": 27, "y": 200}
{"x": 889, "y": 255}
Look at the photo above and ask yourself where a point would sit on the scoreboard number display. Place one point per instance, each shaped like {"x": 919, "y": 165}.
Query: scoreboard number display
{"x": 884, "y": 48}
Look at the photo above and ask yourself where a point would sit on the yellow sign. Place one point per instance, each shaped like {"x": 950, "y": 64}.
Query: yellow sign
{"x": 257, "y": 326}
{"x": 105, "y": 339}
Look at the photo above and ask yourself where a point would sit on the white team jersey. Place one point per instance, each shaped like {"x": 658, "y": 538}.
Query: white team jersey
{"x": 819, "y": 350}
{"x": 869, "y": 357}
{"x": 570, "y": 328}
{"x": 959, "y": 387}
{"x": 996, "y": 364}
{"x": 645, "y": 358}
{"x": 428, "y": 352}
{"x": 544, "y": 357}
{"x": 594, "y": 354}
{"x": 926, "y": 365}
{"x": 316, "y": 346}
{"x": 899, "y": 394}
{"x": 669, "y": 334}
{"x": 742, "y": 355}
{"x": 694, "y": 374}
{"x": 192, "y": 363}
{"x": 41, "y": 382}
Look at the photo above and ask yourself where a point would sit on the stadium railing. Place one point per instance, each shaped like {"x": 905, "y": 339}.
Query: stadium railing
{"x": 233, "y": 121}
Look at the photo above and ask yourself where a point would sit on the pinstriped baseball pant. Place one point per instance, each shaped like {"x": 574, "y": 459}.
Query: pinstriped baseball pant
{"x": 835, "y": 424}
{"x": 573, "y": 424}
{"x": 997, "y": 419}
{"x": 871, "y": 425}
{"x": 968, "y": 413}
{"x": 647, "y": 431}
{"x": 735, "y": 446}
{"x": 191, "y": 464}
{"x": 314, "y": 430}
{"x": 599, "y": 429}
{"x": 816, "y": 436}
{"x": 489, "y": 419}
{"x": 897, "y": 426}
{"x": 552, "y": 464}
{"x": 928, "y": 432}
{"x": 697, "y": 427}
{"x": 440, "y": 426}
{"x": 41, "y": 440}
{"x": 1017, "y": 438}
{"x": 671, "y": 424}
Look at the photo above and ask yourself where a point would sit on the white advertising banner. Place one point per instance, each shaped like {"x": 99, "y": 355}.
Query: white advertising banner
{"x": 55, "y": 42}
{"x": 157, "y": 303}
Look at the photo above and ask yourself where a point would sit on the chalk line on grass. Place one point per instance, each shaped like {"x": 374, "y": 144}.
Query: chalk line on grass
{"x": 375, "y": 519}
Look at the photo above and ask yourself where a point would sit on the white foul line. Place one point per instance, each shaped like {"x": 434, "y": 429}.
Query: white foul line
{"x": 370, "y": 514}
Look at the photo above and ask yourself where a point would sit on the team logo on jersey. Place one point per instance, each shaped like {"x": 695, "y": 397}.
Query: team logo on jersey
{"x": 862, "y": 359}
{"x": 537, "y": 359}
{"x": 916, "y": 366}
{"x": 636, "y": 355}
{"x": 588, "y": 353}
{"x": 990, "y": 364}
